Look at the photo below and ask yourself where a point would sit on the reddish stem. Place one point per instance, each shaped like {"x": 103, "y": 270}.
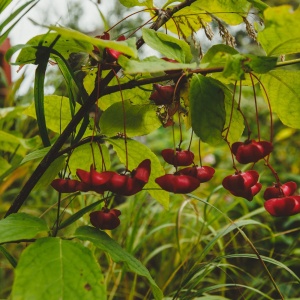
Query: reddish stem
{"x": 256, "y": 109}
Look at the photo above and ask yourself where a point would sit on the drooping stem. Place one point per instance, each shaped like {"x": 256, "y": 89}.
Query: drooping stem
{"x": 256, "y": 108}
{"x": 231, "y": 111}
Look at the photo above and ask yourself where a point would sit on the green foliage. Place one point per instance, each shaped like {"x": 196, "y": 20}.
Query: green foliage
{"x": 140, "y": 119}
{"x": 102, "y": 241}
{"x": 281, "y": 34}
{"x": 21, "y": 226}
{"x": 51, "y": 259}
{"x": 207, "y": 109}
{"x": 283, "y": 91}
{"x": 167, "y": 45}
{"x": 97, "y": 115}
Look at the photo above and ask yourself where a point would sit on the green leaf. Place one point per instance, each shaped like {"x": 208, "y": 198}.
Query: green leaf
{"x": 137, "y": 152}
{"x": 102, "y": 241}
{"x": 188, "y": 20}
{"x": 3, "y": 4}
{"x": 20, "y": 226}
{"x": 261, "y": 6}
{"x": 207, "y": 108}
{"x": 140, "y": 119}
{"x": 4, "y": 165}
{"x": 281, "y": 34}
{"x": 237, "y": 121}
{"x": 8, "y": 256}
{"x": 167, "y": 45}
{"x": 132, "y": 3}
{"x": 52, "y": 268}
{"x": 283, "y": 88}
{"x": 51, "y": 172}
{"x": 57, "y": 112}
{"x": 230, "y": 11}
{"x": 82, "y": 158}
{"x": 127, "y": 47}
{"x": 152, "y": 64}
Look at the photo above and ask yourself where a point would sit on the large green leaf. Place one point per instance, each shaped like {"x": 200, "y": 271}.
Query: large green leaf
{"x": 21, "y": 226}
{"x": 137, "y": 152}
{"x": 207, "y": 108}
{"x": 281, "y": 34}
{"x": 4, "y": 165}
{"x": 140, "y": 119}
{"x": 167, "y": 45}
{"x": 151, "y": 64}
{"x": 52, "y": 268}
{"x": 57, "y": 112}
{"x": 102, "y": 241}
{"x": 51, "y": 172}
{"x": 82, "y": 158}
{"x": 283, "y": 88}
{"x": 132, "y": 3}
{"x": 230, "y": 11}
{"x": 188, "y": 20}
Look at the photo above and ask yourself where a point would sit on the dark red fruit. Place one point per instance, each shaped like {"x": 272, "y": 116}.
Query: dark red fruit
{"x": 280, "y": 190}
{"x": 105, "y": 218}
{"x": 251, "y": 151}
{"x": 178, "y": 158}
{"x": 243, "y": 184}
{"x": 162, "y": 94}
{"x": 248, "y": 193}
{"x": 114, "y": 54}
{"x": 283, "y": 207}
{"x": 130, "y": 185}
{"x": 142, "y": 172}
{"x": 178, "y": 184}
{"x": 69, "y": 185}
{"x": 203, "y": 174}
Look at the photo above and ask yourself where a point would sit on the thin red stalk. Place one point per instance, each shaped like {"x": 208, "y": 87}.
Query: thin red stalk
{"x": 180, "y": 130}
{"x": 231, "y": 112}
{"x": 239, "y": 109}
{"x": 101, "y": 152}
{"x": 124, "y": 125}
{"x": 256, "y": 109}
{"x": 199, "y": 152}
{"x": 275, "y": 174}
{"x": 270, "y": 108}
{"x": 191, "y": 139}
{"x": 141, "y": 26}
{"x": 115, "y": 25}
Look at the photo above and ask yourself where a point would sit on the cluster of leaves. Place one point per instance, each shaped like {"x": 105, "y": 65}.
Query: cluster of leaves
{"x": 113, "y": 98}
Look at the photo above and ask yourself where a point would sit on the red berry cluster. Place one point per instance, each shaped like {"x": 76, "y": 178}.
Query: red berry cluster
{"x": 280, "y": 198}
{"x": 122, "y": 184}
{"x": 183, "y": 180}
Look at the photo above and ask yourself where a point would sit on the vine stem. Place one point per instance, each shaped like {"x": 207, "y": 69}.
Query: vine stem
{"x": 100, "y": 84}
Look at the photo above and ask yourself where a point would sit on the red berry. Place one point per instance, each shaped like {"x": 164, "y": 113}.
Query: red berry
{"x": 241, "y": 180}
{"x": 178, "y": 157}
{"x": 243, "y": 184}
{"x": 178, "y": 184}
{"x": 251, "y": 151}
{"x": 162, "y": 94}
{"x": 283, "y": 207}
{"x": 114, "y": 54}
{"x": 105, "y": 218}
{"x": 203, "y": 174}
{"x": 142, "y": 172}
{"x": 125, "y": 185}
{"x": 69, "y": 185}
{"x": 280, "y": 190}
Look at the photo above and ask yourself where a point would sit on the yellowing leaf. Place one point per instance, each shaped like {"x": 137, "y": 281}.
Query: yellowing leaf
{"x": 281, "y": 34}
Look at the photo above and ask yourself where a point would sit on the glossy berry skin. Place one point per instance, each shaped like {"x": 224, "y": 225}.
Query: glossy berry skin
{"x": 69, "y": 185}
{"x": 105, "y": 219}
{"x": 203, "y": 174}
{"x": 280, "y": 190}
{"x": 178, "y": 184}
{"x": 283, "y": 207}
{"x": 243, "y": 184}
{"x": 178, "y": 158}
{"x": 97, "y": 181}
{"x": 162, "y": 94}
{"x": 129, "y": 185}
{"x": 251, "y": 151}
